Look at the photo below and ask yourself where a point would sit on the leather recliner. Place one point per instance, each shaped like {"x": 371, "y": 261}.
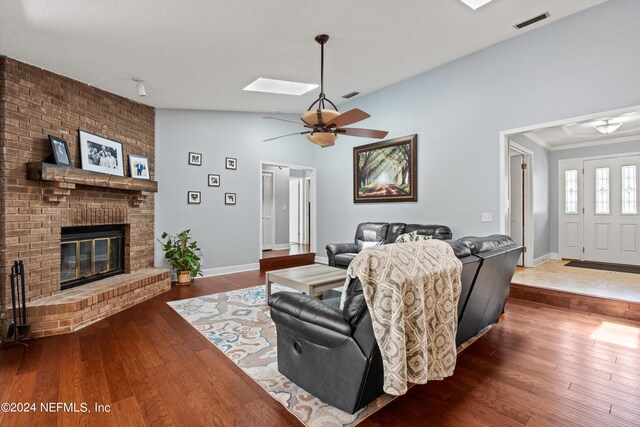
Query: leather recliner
{"x": 333, "y": 353}
{"x": 341, "y": 254}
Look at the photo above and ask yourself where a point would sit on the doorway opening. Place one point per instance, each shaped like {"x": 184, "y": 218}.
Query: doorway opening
{"x": 590, "y": 171}
{"x": 287, "y": 215}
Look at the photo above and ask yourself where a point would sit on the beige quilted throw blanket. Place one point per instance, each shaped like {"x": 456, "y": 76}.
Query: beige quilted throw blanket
{"x": 412, "y": 291}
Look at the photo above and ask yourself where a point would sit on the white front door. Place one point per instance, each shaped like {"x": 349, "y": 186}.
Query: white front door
{"x": 267, "y": 211}
{"x": 516, "y": 200}
{"x": 611, "y": 227}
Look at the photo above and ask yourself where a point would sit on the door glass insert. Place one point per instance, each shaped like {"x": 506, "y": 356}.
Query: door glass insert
{"x": 602, "y": 191}
{"x": 68, "y": 261}
{"x": 571, "y": 191}
{"x": 85, "y": 258}
{"x": 114, "y": 254}
{"x": 629, "y": 190}
{"x": 100, "y": 254}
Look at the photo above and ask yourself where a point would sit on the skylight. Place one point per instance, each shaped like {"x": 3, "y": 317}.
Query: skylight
{"x": 280, "y": 86}
{"x": 474, "y": 4}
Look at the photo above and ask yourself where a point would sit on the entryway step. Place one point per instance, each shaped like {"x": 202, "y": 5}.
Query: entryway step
{"x": 287, "y": 261}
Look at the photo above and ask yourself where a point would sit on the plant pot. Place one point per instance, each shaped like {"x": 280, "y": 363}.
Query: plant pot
{"x": 184, "y": 278}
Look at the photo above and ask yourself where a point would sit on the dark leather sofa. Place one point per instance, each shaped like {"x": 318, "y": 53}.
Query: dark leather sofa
{"x": 333, "y": 353}
{"x": 341, "y": 254}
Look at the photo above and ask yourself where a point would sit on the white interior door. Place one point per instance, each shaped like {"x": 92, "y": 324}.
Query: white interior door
{"x": 516, "y": 200}
{"x": 611, "y": 220}
{"x": 294, "y": 210}
{"x": 268, "y": 206}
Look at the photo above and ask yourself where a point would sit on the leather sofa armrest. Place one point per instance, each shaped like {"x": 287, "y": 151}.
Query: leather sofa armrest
{"x": 305, "y": 313}
{"x": 334, "y": 249}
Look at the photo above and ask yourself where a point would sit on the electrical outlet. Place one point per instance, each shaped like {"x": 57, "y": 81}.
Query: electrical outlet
{"x": 486, "y": 217}
{"x": 284, "y": 207}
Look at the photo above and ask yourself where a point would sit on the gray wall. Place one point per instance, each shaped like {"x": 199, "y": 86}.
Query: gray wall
{"x": 541, "y": 231}
{"x": 575, "y": 153}
{"x": 281, "y": 208}
{"x": 229, "y": 235}
{"x": 459, "y": 109}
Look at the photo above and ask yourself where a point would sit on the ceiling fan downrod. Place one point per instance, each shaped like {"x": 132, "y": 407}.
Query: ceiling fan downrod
{"x": 321, "y": 39}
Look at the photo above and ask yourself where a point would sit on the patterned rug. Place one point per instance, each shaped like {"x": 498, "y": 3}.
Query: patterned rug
{"x": 238, "y": 323}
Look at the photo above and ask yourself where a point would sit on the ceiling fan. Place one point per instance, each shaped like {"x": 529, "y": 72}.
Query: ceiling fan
{"x": 326, "y": 124}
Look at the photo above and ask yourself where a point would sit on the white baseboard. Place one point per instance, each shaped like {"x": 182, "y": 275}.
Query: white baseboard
{"x": 230, "y": 269}
{"x": 554, "y": 255}
{"x": 281, "y": 246}
{"x": 322, "y": 259}
{"x": 541, "y": 259}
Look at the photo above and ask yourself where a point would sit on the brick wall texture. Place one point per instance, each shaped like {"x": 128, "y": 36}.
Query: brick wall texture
{"x": 35, "y": 103}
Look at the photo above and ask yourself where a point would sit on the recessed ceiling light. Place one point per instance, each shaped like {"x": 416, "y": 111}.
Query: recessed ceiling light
{"x": 280, "y": 86}
{"x": 474, "y": 4}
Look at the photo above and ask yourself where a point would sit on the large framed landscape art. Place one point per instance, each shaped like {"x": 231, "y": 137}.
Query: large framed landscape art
{"x": 386, "y": 171}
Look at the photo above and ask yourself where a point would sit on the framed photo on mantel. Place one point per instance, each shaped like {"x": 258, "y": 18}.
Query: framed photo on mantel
{"x": 100, "y": 154}
{"x": 386, "y": 171}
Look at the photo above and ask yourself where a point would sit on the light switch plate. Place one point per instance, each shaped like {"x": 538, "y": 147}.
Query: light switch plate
{"x": 486, "y": 217}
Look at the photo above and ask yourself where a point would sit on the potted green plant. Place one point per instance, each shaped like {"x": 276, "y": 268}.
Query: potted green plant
{"x": 182, "y": 254}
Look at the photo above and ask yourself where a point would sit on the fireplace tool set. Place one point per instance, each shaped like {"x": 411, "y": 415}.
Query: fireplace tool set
{"x": 18, "y": 331}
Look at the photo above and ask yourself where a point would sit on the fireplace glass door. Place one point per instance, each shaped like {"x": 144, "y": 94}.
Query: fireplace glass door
{"x": 90, "y": 253}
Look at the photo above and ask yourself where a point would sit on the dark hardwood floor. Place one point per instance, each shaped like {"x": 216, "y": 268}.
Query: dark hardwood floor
{"x": 540, "y": 366}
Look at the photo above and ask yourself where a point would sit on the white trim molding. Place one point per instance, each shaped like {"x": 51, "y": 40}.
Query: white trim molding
{"x": 219, "y": 271}
{"x": 322, "y": 260}
{"x": 542, "y": 259}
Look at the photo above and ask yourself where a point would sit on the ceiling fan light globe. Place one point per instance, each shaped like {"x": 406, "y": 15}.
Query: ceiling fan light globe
{"x": 323, "y": 139}
{"x": 311, "y": 117}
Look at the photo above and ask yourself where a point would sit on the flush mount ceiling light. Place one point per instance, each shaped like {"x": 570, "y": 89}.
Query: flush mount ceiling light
{"x": 324, "y": 120}
{"x": 474, "y": 4}
{"x": 140, "y": 85}
{"x": 608, "y": 127}
{"x": 282, "y": 87}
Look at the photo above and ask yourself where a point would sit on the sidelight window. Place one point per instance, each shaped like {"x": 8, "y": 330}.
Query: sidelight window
{"x": 571, "y": 192}
{"x": 629, "y": 190}
{"x": 602, "y": 191}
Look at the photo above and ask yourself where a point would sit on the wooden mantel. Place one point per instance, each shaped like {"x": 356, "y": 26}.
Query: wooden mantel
{"x": 61, "y": 180}
{"x": 51, "y": 172}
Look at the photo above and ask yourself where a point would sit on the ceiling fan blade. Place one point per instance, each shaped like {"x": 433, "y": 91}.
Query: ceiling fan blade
{"x": 284, "y": 120}
{"x": 348, "y": 118}
{"x": 365, "y": 133}
{"x": 282, "y": 136}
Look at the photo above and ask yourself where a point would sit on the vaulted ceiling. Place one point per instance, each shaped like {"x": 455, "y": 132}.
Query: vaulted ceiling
{"x": 196, "y": 54}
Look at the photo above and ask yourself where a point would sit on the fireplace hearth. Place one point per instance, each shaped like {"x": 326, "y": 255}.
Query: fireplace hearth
{"x": 90, "y": 253}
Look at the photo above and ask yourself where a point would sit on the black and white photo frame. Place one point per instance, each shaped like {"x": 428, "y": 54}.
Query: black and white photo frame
{"x": 231, "y": 163}
{"x": 230, "y": 199}
{"x": 99, "y": 154}
{"x": 195, "y": 159}
{"x": 60, "y": 148}
{"x": 194, "y": 197}
{"x": 214, "y": 180}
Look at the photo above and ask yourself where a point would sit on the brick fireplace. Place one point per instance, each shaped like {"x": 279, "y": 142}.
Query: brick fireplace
{"x": 33, "y": 212}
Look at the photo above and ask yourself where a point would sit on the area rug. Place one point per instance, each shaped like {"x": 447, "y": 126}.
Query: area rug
{"x": 238, "y": 323}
